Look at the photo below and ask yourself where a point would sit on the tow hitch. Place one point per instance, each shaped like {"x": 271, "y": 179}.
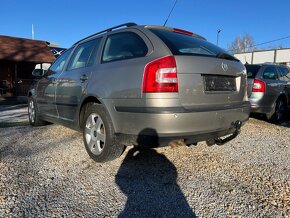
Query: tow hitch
{"x": 221, "y": 141}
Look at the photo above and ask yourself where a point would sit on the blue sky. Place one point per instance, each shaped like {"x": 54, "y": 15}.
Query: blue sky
{"x": 65, "y": 22}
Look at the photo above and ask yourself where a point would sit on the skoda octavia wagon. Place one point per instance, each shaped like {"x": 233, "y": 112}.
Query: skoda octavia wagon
{"x": 142, "y": 85}
{"x": 269, "y": 90}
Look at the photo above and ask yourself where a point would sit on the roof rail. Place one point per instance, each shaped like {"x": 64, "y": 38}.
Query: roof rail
{"x": 108, "y": 30}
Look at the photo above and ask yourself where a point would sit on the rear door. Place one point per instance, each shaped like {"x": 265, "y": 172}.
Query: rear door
{"x": 273, "y": 84}
{"x": 72, "y": 83}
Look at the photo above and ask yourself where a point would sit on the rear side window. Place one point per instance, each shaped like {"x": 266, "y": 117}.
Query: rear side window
{"x": 285, "y": 73}
{"x": 270, "y": 73}
{"x": 252, "y": 70}
{"x": 84, "y": 55}
{"x": 181, "y": 44}
{"x": 123, "y": 46}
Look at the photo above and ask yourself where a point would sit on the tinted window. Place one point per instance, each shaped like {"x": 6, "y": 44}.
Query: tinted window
{"x": 122, "y": 46}
{"x": 181, "y": 44}
{"x": 285, "y": 73}
{"x": 252, "y": 70}
{"x": 270, "y": 73}
{"x": 59, "y": 63}
{"x": 84, "y": 55}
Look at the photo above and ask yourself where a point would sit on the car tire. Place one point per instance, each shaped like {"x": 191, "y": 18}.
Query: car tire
{"x": 99, "y": 135}
{"x": 280, "y": 108}
{"x": 33, "y": 114}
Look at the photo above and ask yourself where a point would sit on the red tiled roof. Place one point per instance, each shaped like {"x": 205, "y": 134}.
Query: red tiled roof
{"x": 18, "y": 49}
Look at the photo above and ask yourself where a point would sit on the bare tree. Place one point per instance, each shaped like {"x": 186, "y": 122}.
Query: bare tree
{"x": 242, "y": 44}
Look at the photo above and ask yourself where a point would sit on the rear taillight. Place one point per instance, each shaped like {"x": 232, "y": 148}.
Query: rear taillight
{"x": 160, "y": 76}
{"x": 258, "y": 86}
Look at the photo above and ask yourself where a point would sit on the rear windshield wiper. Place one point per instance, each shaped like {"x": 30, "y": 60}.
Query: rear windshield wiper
{"x": 226, "y": 56}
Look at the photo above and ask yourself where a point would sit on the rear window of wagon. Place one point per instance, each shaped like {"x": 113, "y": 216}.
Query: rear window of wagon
{"x": 181, "y": 44}
{"x": 252, "y": 70}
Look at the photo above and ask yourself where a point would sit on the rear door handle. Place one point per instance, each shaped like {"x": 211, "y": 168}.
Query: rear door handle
{"x": 84, "y": 77}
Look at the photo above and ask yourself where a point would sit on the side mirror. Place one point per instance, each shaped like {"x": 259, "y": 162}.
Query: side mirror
{"x": 38, "y": 73}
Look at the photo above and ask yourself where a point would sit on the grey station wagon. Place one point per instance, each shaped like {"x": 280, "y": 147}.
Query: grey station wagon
{"x": 269, "y": 90}
{"x": 142, "y": 85}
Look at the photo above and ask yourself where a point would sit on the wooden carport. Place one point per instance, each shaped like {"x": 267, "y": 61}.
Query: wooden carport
{"x": 18, "y": 58}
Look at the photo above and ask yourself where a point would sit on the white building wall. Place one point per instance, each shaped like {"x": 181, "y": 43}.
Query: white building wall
{"x": 283, "y": 56}
{"x": 245, "y": 57}
{"x": 263, "y": 56}
{"x": 258, "y": 57}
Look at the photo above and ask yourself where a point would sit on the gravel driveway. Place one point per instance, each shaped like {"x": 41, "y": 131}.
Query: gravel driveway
{"x": 45, "y": 172}
{"x": 13, "y": 114}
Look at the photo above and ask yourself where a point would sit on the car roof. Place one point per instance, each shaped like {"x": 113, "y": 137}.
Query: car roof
{"x": 106, "y": 31}
{"x": 131, "y": 24}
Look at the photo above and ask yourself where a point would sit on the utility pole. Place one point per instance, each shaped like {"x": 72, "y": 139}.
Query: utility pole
{"x": 217, "y": 36}
{"x": 32, "y": 31}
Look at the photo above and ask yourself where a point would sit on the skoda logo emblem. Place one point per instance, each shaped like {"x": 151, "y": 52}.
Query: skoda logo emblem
{"x": 225, "y": 67}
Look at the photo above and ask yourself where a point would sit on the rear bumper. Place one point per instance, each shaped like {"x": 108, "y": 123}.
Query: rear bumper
{"x": 260, "y": 109}
{"x": 260, "y": 103}
{"x": 176, "y": 123}
{"x": 149, "y": 137}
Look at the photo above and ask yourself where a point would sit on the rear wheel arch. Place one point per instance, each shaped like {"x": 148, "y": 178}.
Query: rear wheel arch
{"x": 84, "y": 106}
{"x": 283, "y": 97}
{"x": 277, "y": 98}
{"x": 277, "y": 114}
{"x": 99, "y": 135}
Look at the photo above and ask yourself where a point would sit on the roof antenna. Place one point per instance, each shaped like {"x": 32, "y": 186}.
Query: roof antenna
{"x": 170, "y": 12}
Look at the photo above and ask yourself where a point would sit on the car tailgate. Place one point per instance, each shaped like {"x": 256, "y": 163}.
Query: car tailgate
{"x": 209, "y": 83}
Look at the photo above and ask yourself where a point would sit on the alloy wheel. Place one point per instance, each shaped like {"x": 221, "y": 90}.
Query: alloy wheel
{"x": 95, "y": 133}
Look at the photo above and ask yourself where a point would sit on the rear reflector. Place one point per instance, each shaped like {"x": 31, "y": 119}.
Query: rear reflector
{"x": 258, "y": 86}
{"x": 160, "y": 76}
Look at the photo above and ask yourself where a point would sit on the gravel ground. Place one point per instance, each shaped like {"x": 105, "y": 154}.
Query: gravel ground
{"x": 13, "y": 113}
{"x": 45, "y": 172}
